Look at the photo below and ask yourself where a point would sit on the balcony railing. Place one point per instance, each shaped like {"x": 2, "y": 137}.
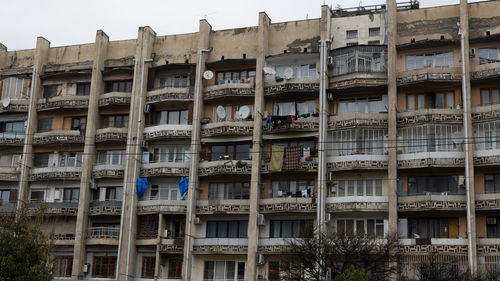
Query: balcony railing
{"x": 162, "y": 194}
{"x": 14, "y": 138}
{"x": 103, "y": 232}
{"x": 359, "y": 59}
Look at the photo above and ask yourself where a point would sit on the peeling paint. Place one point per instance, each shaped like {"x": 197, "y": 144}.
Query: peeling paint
{"x": 299, "y": 44}
{"x": 428, "y": 27}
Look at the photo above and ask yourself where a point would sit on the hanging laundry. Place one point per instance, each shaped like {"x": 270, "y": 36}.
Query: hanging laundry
{"x": 277, "y": 159}
{"x": 293, "y": 155}
{"x": 142, "y": 186}
{"x": 183, "y": 186}
{"x": 307, "y": 151}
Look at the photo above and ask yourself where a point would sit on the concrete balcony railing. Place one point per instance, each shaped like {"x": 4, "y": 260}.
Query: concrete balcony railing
{"x": 220, "y": 246}
{"x": 167, "y": 131}
{"x": 487, "y": 157}
{"x": 224, "y": 91}
{"x": 59, "y": 137}
{"x": 8, "y": 207}
{"x": 222, "y": 207}
{"x": 488, "y": 201}
{"x": 12, "y": 138}
{"x": 146, "y": 207}
{"x": 307, "y": 166}
{"x": 288, "y": 205}
{"x": 63, "y": 102}
{"x": 357, "y": 161}
{"x": 170, "y": 94}
{"x": 292, "y": 86}
{"x": 56, "y": 173}
{"x": 488, "y": 246}
{"x": 16, "y": 105}
{"x": 485, "y": 112}
{"x": 109, "y": 207}
{"x": 111, "y": 134}
{"x": 485, "y": 71}
{"x": 172, "y": 246}
{"x": 115, "y": 98}
{"x": 227, "y": 128}
{"x": 108, "y": 171}
{"x": 54, "y": 208}
{"x": 457, "y": 246}
{"x": 357, "y": 80}
{"x": 309, "y": 124}
{"x": 357, "y": 203}
{"x": 225, "y": 167}
{"x": 431, "y": 159}
{"x": 274, "y": 245}
{"x": 63, "y": 239}
{"x": 426, "y": 75}
{"x": 103, "y": 233}
{"x": 432, "y": 201}
{"x": 9, "y": 173}
{"x": 430, "y": 115}
{"x": 165, "y": 169}
{"x": 357, "y": 119}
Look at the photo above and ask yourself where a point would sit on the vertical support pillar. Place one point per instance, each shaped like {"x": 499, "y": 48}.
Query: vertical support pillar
{"x": 161, "y": 229}
{"x": 203, "y": 45}
{"x": 41, "y": 56}
{"x": 128, "y": 226}
{"x": 89, "y": 153}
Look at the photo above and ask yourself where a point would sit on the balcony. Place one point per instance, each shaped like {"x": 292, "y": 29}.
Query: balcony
{"x": 485, "y": 71}
{"x": 488, "y": 246}
{"x": 167, "y": 131}
{"x": 486, "y": 112}
{"x": 230, "y": 90}
{"x": 108, "y": 171}
{"x": 172, "y": 246}
{"x": 115, "y": 98}
{"x": 356, "y": 120}
{"x": 103, "y": 235}
{"x": 9, "y": 173}
{"x": 357, "y": 203}
{"x": 288, "y": 205}
{"x": 63, "y": 239}
{"x": 431, "y": 159}
{"x": 434, "y": 245}
{"x": 220, "y": 246}
{"x": 227, "y": 128}
{"x": 16, "y": 105}
{"x": 222, "y": 207}
{"x": 54, "y": 208}
{"x": 63, "y": 102}
{"x": 357, "y": 160}
{"x": 159, "y": 169}
{"x": 285, "y": 124}
{"x": 111, "y": 134}
{"x": 8, "y": 207}
{"x": 170, "y": 94}
{"x": 430, "y": 116}
{"x": 225, "y": 167}
{"x": 59, "y": 137}
{"x": 439, "y": 75}
{"x": 16, "y": 139}
{"x": 301, "y": 87}
{"x": 431, "y": 201}
{"x": 110, "y": 207}
{"x": 274, "y": 246}
{"x": 160, "y": 204}
{"x": 56, "y": 173}
{"x": 488, "y": 201}
{"x": 310, "y": 166}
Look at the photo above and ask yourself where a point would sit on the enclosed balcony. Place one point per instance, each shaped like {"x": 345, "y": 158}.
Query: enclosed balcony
{"x": 166, "y": 160}
{"x": 233, "y": 79}
{"x": 486, "y": 143}
{"x": 171, "y": 83}
{"x": 10, "y": 167}
{"x": 59, "y": 136}
{"x": 223, "y": 159}
{"x": 68, "y": 95}
{"x": 162, "y": 197}
{"x": 103, "y": 235}
{"x": 62, "y": 165}
{"x": 15, "y": 93}
{"x": 489, "y": 65}
{"x": 111, "y": 135}
{"x": 234, "y": 119}
{"x": 12, "y": 132}
{"x": 110, "y": 164}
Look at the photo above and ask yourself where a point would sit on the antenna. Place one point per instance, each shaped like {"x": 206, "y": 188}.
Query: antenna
{"x": 221, "y": 112}
{"x": 208, "y": 75}
{"x": 6, "y": 102}
{"x": 244, "y": 112}
{"x": 269, "y": 71}
{"x": 288, "y": 74}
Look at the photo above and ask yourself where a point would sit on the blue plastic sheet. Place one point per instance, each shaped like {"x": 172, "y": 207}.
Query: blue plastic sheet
{"x": 142, "y": 185}
{"x": 183, "y": 186}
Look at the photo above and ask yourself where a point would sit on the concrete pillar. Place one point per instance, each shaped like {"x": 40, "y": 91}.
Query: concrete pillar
{"x": 192, "y": 196}
{"x": 471, "y": 228}
{"x": 41, "y": 56}
{"x": 128, "y": 226}
{"x": 89, "y": 153}
{"x": 161, "y": 229}
{"x": 253, "y": 228}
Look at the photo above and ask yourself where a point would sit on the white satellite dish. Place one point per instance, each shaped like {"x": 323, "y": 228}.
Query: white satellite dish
{"x": 208, "y": 75}
{"x": 244, "y": 112}
{"x": 221, "y": 112}
{"x": 288, "y": 73}
{"x": 6, "y": 102}
{"x": 269, "y": 70}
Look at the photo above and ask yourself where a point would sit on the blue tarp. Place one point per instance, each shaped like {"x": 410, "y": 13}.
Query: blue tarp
{"x": 183, "y": 186}
{"x": 142, "y": 185}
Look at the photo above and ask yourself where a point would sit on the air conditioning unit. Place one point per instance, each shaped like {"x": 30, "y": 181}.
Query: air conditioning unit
{"x": 260, "y": 259}
{"x": 260, "y": 220}
{"x": 328, "y": 217}
{"x": 461, "y": 181}
{"x": 197, "y": 220}
{"x": 147, "y": 108}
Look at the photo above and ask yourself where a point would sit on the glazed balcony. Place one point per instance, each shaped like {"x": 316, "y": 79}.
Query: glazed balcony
{"x": 229, "y": 90}
{"x": 309, "y": 124}
{"x": 486, "y": 143}
{"x": 63, "y": 102}
{"x": 108, "y": 207}
{"x": 56, "y": 173}
{"x": 441, "y": 75}
{"x": 111, "y": 135}
{"x": 358, "y": 160}
{"x": 431, "y": 159}
{"x": 15, "y": 139}
{"x": 54, "y": 208}
{"x": 430, "y": 115}
{"x": 288, "y": 205}
{"x": 488, "y": 201}
{"x": 227, "y": 128}
{"x": 170, "y": 94}
{"x": 309, "y": 166}
{"x": 166, "y": 131}
{"x": 432, "y": 201}
{"x": 357, "y": 203}
{"x": 222, "y": 207}
{"x": 172, "y": 246}
{"x": 357, "y": 119}
{"x": 103, "y": 235}
{"x": 9, "y": 173}
{"x": 159, "y": 169}
{"x": 115, "y": 98}
{"x": 220, "y": 246}
{"x": 16, "y": 105}
{"x": 301, "y": 87}
{"x": 160, "y": 203}
{"x": 485, "y": 71}
{"x": 103, "y": 170}
{"x": 225, "y": 167}
{"x": 59, "y": 137}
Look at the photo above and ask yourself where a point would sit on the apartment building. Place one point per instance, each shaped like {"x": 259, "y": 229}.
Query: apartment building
{"x": 375, "y": 120}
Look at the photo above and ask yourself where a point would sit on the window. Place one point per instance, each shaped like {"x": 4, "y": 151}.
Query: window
{"x": 171, "y": 117}
{"x": 369, "y": 227}
{"x": 299, "y": 109}
{"x": 42, "y": 160}
{"x": 174, "y": 268}
{"x": 164, "y": 191}
{"x": 44, "y": 125}
{"x": 71, "y": 159}
{"x": 114, "y": 193}
{"x": 115, "y": 121}
{"x": 487, "y": 135}
{"x": 63, "y": 266}
{"x": 12, "y": 127}
{"x": 4, "y": 196}
{"x": 280, "y": 271}
{"x": 351, "y": 34}
{"x": 375, "y": 104}
{"x": 227, "y": 229}
{"x": 359, "y": 187}
{"x": 79, "y": 123}
{"x": 358, "y": 141}
{"x": 299, "y": 71}
{"x": 290, "y": 228}
{"x": 436, "y": 184}
{"x": 300, "y": 188}
{"x": 231, "y": 152}
{"x": 105, "y": 230}
{"x": 431, "y": 100}
{"x": 224, "y": 270}
{"x": 148, "y": 267}
{"x": 13, "y": 87}
{"x": 71, "y": 194}
{"x": 236, "y": 76}
{"x": 83, "y": 89}
{"x": 490, "y": 96}
{"x": 51, "y": 91}
{"x": 431, "y": 138}
{"x": 374, "y": 42}
{"x": 170, "y": 79}
{"x": 429, "y": 60}
{"x": 359, "y": 59}
{"x": 119, "y": 86}
{"x": 350, "y": 44}
{"x": 111, "y": 157}
{"x": 432, "y": 227}
{"x": 493, "y": 227}
{"x": 10, "y": 160}
{"x": 233, "y": 190}
{"x": 37, "y": 195}
{"x": 167, "y": 153}
{"x": 492, "y": 183}
{"x": 104, "y": 266}
{"x": 374, "y": 31}
{"x": 488, "y": 55}
{"x": 232, "y": 113}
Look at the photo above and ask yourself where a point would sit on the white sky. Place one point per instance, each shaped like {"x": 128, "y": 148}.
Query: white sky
{"x": 70, "y": 22}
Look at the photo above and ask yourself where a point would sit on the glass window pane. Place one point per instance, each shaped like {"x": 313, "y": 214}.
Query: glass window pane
{"x": 173, "y": 117}
{"x": 485, "y": 97}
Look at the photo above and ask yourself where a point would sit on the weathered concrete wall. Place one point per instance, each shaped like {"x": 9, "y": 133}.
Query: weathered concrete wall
{"x": 361, "y": 23}
{"x": 294, "y": 36}
{"x": 71, "y": 54}
{"x": 227, "y": 43}
{"x": 484, "y": 16}
{"x": 175, "y": 48}
{"x": 14, "y": 59}
{"x": 121, "y": 49}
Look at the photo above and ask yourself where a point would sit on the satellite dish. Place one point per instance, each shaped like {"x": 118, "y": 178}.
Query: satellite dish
{"x": 208, "y": 75}
{"x": 6, "y": 102}
{"x": 270, "y": 71}
{"x": 288, "y": 74}
{"x": 221, "y": 112}
{"x": 244, "y": 112}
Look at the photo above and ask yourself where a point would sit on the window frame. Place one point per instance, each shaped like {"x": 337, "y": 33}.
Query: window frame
{"x": 99, "y": 262}
{"x": 229, "y": 76}
{"x": 121, "y": 86}
{"x": 83, "y": 89}
{"x": 61, "y": 269}
{"x": 148, "y": 267}
{"x": 214, "y": 189}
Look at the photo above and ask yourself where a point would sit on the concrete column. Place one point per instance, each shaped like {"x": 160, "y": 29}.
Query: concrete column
{"x": 41, "y": 56}
{"x": 127, "y": 248}
{"x": 469, "y": 180}
{"x": 192, "y": 196}
{"x": 89, "y": 153}
{"x": 161, "y": 229}
{"x": 253, "y": 228}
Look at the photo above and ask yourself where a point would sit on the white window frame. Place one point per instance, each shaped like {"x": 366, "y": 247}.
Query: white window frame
{"x": 360, "y": 187}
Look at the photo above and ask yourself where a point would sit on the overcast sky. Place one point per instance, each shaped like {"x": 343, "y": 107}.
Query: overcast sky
{"x": 70, "y": 22}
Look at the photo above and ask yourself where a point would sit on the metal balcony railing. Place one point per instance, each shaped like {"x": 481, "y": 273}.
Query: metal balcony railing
{"x": 103, "y": 232}
{"x": 359, "y": 59}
